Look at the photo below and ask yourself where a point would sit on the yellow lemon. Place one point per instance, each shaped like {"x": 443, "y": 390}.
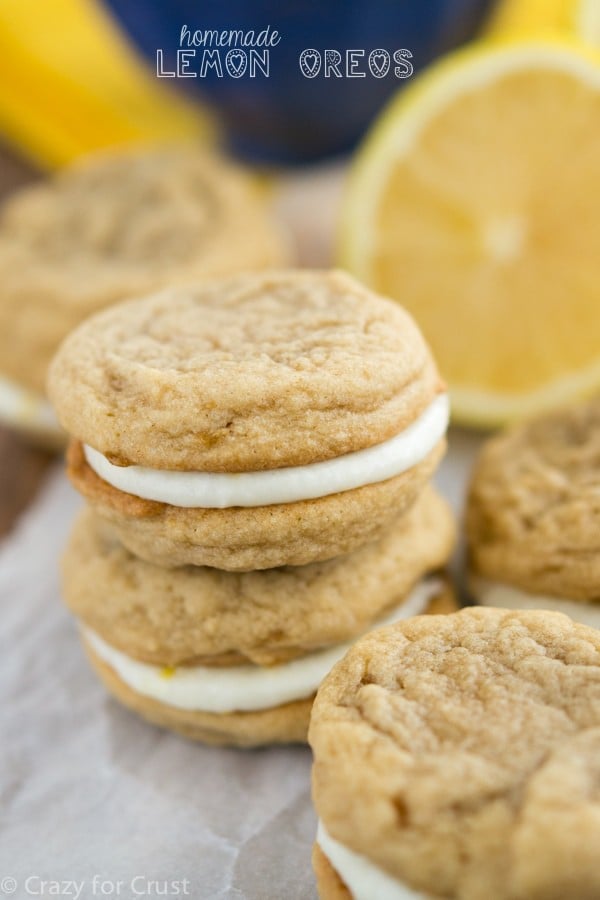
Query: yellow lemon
{"x": 475, "y": 202}
{"x": 70, "y": 84}
{"x": 526, "y": 18}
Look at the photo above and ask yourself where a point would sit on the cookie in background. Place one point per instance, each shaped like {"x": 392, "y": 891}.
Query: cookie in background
{"x": 533, "y": 516}
{"x": 113, "y": 226}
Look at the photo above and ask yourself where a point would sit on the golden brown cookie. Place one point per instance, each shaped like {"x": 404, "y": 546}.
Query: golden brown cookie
{"x": 115, "y": 226}
{"x": 329, "y": 884}
{"x": 457, "y": 756}
{"x": 533, "y": 515}
{"x": 198, "y": 615}
{"x": 249, "y": 422}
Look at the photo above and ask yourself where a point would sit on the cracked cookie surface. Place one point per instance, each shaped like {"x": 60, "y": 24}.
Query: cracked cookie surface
{"x": 117, "y": 226}
{"x": 460, "y": 754}
{"x": 533, "y": 514}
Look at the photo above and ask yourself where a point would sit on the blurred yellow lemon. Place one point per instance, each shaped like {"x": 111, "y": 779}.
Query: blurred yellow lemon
{"x": 527, "y": 18}
{"x": 476, "y": 203}
{"x": 71, "y": 84}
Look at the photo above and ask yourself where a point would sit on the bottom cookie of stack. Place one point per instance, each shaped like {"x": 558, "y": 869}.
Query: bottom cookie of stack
{"x": 236, "y": 658}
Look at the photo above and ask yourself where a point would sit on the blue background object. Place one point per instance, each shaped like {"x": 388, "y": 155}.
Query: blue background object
{"x": 287, "y": 117}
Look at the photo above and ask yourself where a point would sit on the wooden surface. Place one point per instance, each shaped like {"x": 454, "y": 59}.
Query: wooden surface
{"x": 22, "y": 467}
{"x": 22, "y": 470}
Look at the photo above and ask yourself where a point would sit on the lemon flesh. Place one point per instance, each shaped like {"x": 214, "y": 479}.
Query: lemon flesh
{"x": 476, "y": 203}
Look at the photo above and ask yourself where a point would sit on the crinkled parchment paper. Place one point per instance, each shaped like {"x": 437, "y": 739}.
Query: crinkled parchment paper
{"x": 94, "y": 802}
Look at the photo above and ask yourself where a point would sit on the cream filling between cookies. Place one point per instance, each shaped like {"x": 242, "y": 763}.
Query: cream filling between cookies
{"x": 23, "y": 408}
{"x": 242, "y": 688}
{"x": 496, "y": 593}
{"x": 221, "y": 490}
{"x": 363, "y": 878}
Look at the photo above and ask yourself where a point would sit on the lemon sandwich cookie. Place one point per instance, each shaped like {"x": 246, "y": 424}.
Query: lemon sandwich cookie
{"x": 237, "y": 658}
{"x": 105, "y": 229}
{"x": 250, "y": 422}
{"x": 457, "y": 757}
{"x": 533, "y": 516}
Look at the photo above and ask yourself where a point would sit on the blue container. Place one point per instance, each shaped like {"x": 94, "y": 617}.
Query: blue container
{"x": 289, "y": 116}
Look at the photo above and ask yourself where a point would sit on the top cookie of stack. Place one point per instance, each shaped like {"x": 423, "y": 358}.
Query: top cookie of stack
{"x": 113, "y": 227}
{"x": 261, "y": 420}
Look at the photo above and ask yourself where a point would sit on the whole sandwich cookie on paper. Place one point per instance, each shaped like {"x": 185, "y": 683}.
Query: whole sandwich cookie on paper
{"x": 113, "y": 226}
{"x": 457, "y": 757}
{"x": 237, "y": 657}
{"x": 533, "y": 516}
{"x": 256, "y": 421}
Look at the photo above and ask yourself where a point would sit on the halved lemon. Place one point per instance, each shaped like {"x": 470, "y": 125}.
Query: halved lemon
{"x": 527, "y": 18}
{"x": 475, "y": 202}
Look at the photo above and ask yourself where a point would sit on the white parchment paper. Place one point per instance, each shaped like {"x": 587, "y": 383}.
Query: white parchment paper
{"x": 96, "y": 803}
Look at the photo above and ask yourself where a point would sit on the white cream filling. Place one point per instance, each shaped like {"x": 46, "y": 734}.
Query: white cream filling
{"x": 364, "y": 880}
{"x": 495, "y": 593}
{"x": 242, "y": 688}
{"x": 218, "y": 490}
{"x": 22, "y": 408}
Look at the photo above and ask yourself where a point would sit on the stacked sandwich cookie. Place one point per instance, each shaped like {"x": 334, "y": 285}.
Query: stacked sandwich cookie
{"x": 255, "y": 452}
